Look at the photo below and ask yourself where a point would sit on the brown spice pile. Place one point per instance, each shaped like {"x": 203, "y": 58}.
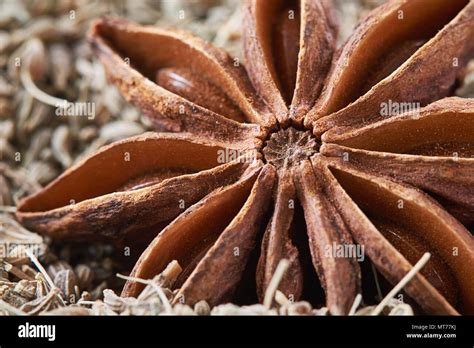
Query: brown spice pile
{"x": 44, "y": 58}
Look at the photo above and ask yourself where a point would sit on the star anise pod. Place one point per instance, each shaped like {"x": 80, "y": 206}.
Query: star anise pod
{"x": 289, "y": 158}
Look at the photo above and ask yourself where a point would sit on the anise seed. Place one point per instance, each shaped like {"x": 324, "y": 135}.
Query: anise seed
{"x": 198, "y": 90}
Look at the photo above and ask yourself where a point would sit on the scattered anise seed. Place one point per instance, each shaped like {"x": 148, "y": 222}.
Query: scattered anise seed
{"x": 14, "y": 298}
{"x": 65, "y": 280}
{"x": 26, "y": 289}
{"x": 56, "y": 267}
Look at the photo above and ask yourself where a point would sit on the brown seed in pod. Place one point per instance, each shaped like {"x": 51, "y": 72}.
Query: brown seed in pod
{"x": 185, "y": 82}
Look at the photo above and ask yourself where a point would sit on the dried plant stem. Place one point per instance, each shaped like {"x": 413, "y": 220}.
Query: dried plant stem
{"x": 44, "y": 273}
{"x": 377, "y": 284}
{"x": 157, "y": 288}
{"x": 405, "y": 280}
{"x": 281, "y": 298}
{"x": 274, "y": 282}
{"x": 38, "y": 94}
{"x": 17, "y": 272}
{"x": 356, "y": 304}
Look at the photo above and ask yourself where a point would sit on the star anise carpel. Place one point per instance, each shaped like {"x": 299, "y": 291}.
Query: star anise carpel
{"x": 288, "y": 157}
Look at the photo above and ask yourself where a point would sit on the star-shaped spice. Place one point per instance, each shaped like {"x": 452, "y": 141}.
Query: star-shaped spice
{"x": 307, "y": 154}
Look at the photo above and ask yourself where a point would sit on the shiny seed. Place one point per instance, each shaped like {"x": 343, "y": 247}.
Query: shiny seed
{"x": 198, "y": 90}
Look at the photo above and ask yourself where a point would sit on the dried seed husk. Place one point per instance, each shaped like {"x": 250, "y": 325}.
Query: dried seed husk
{"x": 412, "y": 148}
{"x": 41, "y": 286}
{"x": 65, "y": 280}
{"x": 340, "y": 277}
{"x": 5, "y": 285}
{"x": 116, "y": 303}
{"x": 277, "y": 243}
{"x": 187, "y": 242}
{"x": 60, "y": 210}
{"x": 26, "y": 289}
{"x": 42, "y": 304}
{"x": 420, "y": 214}
{"x": 218, "y": 274}
{"x": 259, "y": 23}
{"x": 110, "y": 36}
{"x": 58, "y": 266}
{"x": 100, "y": 308}
{"x": 15, "y": 299}
{"x": 445, "y": 54}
